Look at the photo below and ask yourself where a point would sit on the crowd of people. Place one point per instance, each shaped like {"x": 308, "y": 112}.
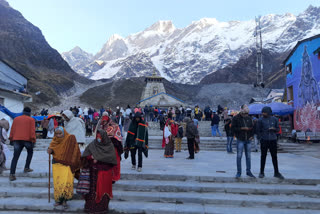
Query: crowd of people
{"x": 125, "y": 131}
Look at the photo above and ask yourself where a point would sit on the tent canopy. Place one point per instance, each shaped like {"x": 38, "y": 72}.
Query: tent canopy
{"x": 277, "y": 108}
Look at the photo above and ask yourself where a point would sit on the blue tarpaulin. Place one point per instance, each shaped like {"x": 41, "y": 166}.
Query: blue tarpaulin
{"x": 277, "y": 108}
{"x": 14, "y": 115}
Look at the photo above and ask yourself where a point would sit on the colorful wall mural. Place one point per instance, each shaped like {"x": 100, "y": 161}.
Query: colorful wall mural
{"x": 303, "y": 84}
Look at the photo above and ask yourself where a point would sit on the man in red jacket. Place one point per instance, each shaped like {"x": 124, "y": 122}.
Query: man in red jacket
{"x": 23, "y": 134}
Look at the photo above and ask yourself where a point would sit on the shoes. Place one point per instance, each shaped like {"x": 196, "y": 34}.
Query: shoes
{"x": 278, "y": 175}
{"x": 250, "y": 175}
{"x": 12, "y": 178}
{"x": 139, "y": 169}
{"x": 238, "y": 175}
{"x": 27, "y": 170}
{"x": 256, "y": 150}
{"x": 133, "y": 167}
{"x": 261, "y": 175}
{"x": 189, "y": 158}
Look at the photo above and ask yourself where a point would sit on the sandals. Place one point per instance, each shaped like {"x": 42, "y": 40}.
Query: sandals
{"x": 57, "y": 204}
{"x": 65, "y": 206}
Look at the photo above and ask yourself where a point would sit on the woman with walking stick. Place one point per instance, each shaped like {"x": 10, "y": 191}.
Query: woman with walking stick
{"x": 66, "y": 161}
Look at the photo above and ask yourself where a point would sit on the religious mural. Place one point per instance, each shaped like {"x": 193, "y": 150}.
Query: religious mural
{"x": 305, "y": 79}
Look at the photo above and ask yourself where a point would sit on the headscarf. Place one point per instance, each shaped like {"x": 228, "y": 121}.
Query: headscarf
{"x": 244, "y": 109}
{"x": 4, "y": 124}
{"x": 59, "y": 128}
{"x": 66, "y": 150}
{"x": 103, "y": 151}
{"x": 112, "y": 129}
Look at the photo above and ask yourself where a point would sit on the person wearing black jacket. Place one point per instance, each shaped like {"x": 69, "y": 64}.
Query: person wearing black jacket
{"x": 229, "y": 133}
{"x": 243, "y": 128}
{"x": 215, "y": 125}
{"x": 268, "y": 127}
{"x": 191, "y": 134}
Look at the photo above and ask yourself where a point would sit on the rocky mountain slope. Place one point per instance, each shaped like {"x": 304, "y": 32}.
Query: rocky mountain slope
{"x": 244, "y": 71}
{"x": 204, "y": 47}
{"x": 23, "y": 46}
{"x": 128, "y": 91}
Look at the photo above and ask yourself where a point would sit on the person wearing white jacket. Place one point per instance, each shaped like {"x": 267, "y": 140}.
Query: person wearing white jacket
{"x": 75, "y": 126}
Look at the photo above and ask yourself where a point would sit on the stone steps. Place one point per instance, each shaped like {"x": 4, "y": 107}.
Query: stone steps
{"x": 38, "y": 187}
{"x": 226, "y": 199}
{"x": 170, "y": 193}
{"x": 206, "y": 144}
{"x": 134, "y": 176}
{"x": 179, "y": 186}
{"x": 75, "y": 206}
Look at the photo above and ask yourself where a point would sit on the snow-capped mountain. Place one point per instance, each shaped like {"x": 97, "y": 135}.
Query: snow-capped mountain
{"x": 187, "y": 55}
{"x": 77, "y": 59}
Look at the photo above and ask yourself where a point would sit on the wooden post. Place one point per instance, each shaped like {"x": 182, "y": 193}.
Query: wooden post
{"x": 49, "y": 178}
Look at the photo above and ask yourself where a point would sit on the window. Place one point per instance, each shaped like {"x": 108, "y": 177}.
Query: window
{"x": 1, "y": 101}
{"x": 289, "y": 68}
{"x": 290, "y": 93}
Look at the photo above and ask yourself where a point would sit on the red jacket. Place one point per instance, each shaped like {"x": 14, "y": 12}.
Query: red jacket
{"x": 23, "y": 128}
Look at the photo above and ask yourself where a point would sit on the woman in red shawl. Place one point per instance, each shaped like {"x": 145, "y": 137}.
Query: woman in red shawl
{"x": 114, "y": 133}
{"x": 99, "y": 157}
{"x": 168, "y": 138}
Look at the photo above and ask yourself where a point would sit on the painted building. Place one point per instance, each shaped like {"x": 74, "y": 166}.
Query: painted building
{"x": 154, "y": 94}
{"x": 11, "y": 82}
{"x": 302, "y": 68}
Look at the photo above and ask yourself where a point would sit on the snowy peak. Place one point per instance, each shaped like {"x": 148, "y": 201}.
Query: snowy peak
{"x": 77, "y": 50}
{"x": 188, "y": 54}
{"x": 113, "y": 39}
{"x": 162, "y": 27}
{"x": 312, "y": 10}
{"x": 115, "y": 48}
{"x": 206, "y": 22}
{"x": 77, "y": 58}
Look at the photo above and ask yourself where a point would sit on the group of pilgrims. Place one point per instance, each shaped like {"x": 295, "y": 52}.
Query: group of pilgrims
{"x": 98, "y": 167}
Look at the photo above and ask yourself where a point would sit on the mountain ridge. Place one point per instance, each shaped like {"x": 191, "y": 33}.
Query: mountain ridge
{"x": 189, "y": 54}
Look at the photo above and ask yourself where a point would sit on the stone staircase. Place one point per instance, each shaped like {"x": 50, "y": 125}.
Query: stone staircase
{"x": 169, "y": 193}
{"x": 206, "y": 144}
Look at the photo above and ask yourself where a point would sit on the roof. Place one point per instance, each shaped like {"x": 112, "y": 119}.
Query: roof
{"x": 276, "y": 91}
{"x": 297, "y": 45}
{"x": 158, "y": 95}
{"x": 16, "y": 93}
{"x": 6, "y": 63}
{"x": 256, "y": 99}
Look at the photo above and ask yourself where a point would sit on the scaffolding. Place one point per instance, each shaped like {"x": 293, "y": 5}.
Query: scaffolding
{"x": 259, "y": 62}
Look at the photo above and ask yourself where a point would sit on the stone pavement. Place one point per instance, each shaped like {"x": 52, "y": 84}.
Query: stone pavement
{"x": 203, "y": 185}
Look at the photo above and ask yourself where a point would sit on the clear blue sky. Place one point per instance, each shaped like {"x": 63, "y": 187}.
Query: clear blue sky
{"x": 89, "y": 23}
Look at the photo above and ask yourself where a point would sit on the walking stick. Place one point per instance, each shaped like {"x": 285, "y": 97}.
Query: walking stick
{"x": 49, "y": 178}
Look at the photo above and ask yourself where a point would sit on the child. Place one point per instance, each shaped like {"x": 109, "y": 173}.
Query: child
{"x": 179, "y": 138}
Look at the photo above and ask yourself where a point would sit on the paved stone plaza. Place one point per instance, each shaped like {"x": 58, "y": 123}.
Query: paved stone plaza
{"x": 203, "y": 185}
